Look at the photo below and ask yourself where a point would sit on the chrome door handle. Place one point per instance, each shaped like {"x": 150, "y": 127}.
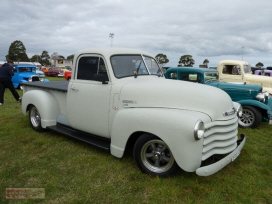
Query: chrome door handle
{"x": 74, "y": 88}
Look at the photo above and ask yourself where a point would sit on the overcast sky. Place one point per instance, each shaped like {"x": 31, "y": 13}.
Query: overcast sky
{"x": 206, "y": 29}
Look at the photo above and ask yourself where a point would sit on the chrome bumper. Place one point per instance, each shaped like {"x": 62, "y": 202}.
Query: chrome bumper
{"x": 215, "y": 167}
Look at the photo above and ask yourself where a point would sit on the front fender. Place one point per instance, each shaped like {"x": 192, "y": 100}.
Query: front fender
{"x": 175, "y": 127}
{"x": 45, "y": 102}
{"x": 256, "y": 104}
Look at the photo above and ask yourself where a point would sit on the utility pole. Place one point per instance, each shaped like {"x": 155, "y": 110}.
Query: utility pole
{"x": 111, "y": 38}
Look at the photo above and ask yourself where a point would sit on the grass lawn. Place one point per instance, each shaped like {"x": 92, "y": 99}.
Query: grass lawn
{"x": 73, "y": 172}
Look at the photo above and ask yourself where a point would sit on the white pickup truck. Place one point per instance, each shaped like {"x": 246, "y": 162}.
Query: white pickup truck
{"x": 118, "y": 99}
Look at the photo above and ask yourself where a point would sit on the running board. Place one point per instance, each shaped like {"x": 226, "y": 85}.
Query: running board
{"x": 93, "y": 140}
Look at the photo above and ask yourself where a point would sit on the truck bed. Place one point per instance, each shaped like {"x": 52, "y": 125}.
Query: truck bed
{"x": 53, "y": 85}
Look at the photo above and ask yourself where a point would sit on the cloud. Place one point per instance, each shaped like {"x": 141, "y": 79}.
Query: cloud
{"x": 205, "y": 29}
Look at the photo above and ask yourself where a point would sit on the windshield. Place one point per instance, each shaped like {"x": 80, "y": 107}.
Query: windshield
{"x": 27, "y": 69}
{"x": 247, "y": 69}
{"x": 211, "y": 76}
{"x": 131, "y": 65}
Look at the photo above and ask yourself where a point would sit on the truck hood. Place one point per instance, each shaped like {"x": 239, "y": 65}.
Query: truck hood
{"x": 238, "y": 91}
{"x": 258, "y": 78}
{"x": 164, "y": 93}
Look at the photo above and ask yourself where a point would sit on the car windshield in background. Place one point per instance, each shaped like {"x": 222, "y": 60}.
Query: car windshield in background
{"x": 211, "y": 76}
{"x": 131, "y": 65}
{"x": 247, "y": 69}
{"x": 27, "y": 69}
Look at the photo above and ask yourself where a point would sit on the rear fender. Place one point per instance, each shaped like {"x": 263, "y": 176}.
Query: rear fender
{"x": 174, "y": 127}
{"x": 45, "y": 102}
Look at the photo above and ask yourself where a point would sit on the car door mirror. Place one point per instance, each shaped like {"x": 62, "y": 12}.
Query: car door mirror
{"x": 100, "y": 77}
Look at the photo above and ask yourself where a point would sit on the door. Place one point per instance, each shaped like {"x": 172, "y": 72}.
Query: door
{"x": 88, "y": 100}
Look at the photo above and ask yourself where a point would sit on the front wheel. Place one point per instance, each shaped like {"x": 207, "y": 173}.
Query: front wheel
{"x": 154, "y": 157}
{"x": 35, "y": 119}
{"x": 251, "y": 117}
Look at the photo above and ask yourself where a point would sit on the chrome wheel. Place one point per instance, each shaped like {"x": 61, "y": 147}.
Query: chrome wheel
{"x": 153, "y": 156}
{"x": 251, "y": 117}
{"x": 247, "y": 118}
{"x": 156, "y": 156}
{"x": 35, "y": 117}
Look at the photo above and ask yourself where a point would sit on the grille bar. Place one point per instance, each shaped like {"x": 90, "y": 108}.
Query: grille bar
{"x": 220, "y": 137}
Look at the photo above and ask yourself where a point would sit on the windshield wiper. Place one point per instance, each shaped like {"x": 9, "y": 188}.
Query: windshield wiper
{"x": 137, "y": 70}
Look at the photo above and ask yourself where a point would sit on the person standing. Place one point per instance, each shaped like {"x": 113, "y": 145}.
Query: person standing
{"x": 6, "y": 74}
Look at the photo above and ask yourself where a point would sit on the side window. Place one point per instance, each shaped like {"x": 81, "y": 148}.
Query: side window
{"x": 89, "y": 66}
{"x": 189, "y": 77}
{"x": 231, "y": 69}
{"x": 235, "y": 70}
{"x": 184, "y": 76}
{"x": 194, "y": 77}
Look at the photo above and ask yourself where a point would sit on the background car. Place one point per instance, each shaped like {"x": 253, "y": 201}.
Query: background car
{"x": 25, "y": 73}
{"x": 39, "y": 72}
{"x": 54, "y": 72}
{"x": 257, "y": 105}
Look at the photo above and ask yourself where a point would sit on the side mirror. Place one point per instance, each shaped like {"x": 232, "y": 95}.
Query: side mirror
{"x": 100, "y": 77}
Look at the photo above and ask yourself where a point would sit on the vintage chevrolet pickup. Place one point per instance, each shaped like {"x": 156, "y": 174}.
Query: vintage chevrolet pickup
{"x": 118, "y": 99}
{"x": 257, "y": 105}
{"x": 240, "y": 71}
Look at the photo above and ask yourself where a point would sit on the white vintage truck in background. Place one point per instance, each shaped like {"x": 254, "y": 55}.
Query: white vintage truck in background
{"x": 118, "y": 99}
{"x": 240, "y": 71}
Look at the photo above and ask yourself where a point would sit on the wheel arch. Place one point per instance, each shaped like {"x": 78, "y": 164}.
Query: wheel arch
{"x": 263, "y": 108}
{"x": 45, "y": 102}
{"x": 177, "y": 132}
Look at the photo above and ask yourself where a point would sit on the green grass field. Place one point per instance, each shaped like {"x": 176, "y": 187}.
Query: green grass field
{"x": 73, "y": 172}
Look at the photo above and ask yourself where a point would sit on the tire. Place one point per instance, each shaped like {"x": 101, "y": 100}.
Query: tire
{"x": 35, "y": 119}
{"x": 154, "y": 157}
{"x": 251, "y": 117}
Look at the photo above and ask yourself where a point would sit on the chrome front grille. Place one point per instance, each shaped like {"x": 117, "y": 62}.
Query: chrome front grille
{"x": 220, "y": 137}
{"x": 35, "y": 78}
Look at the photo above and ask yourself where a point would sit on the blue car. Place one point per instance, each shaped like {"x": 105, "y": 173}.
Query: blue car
{"x": 39, "y": 73}
{"x": 25, "y": 73}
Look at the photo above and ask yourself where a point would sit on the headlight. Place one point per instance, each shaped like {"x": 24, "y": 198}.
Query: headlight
{"x": 262, "y": 96}
{"x": 239, "y": 111}
{"x": 41, "y": 79}
{"x": 199, "y": 130}
{"x": 29, "y": 80}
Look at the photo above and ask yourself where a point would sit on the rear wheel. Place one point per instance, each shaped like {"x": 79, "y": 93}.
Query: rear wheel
{"x": 35, "y": 119}
{"x": 153, "y": 156}
{"x": 251, "y": 117}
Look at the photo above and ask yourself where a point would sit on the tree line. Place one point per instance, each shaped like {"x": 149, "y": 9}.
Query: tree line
{"x": 17, "y": 53}
{"x": 187, "y": 61}
{"x": 184, "y": 60}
